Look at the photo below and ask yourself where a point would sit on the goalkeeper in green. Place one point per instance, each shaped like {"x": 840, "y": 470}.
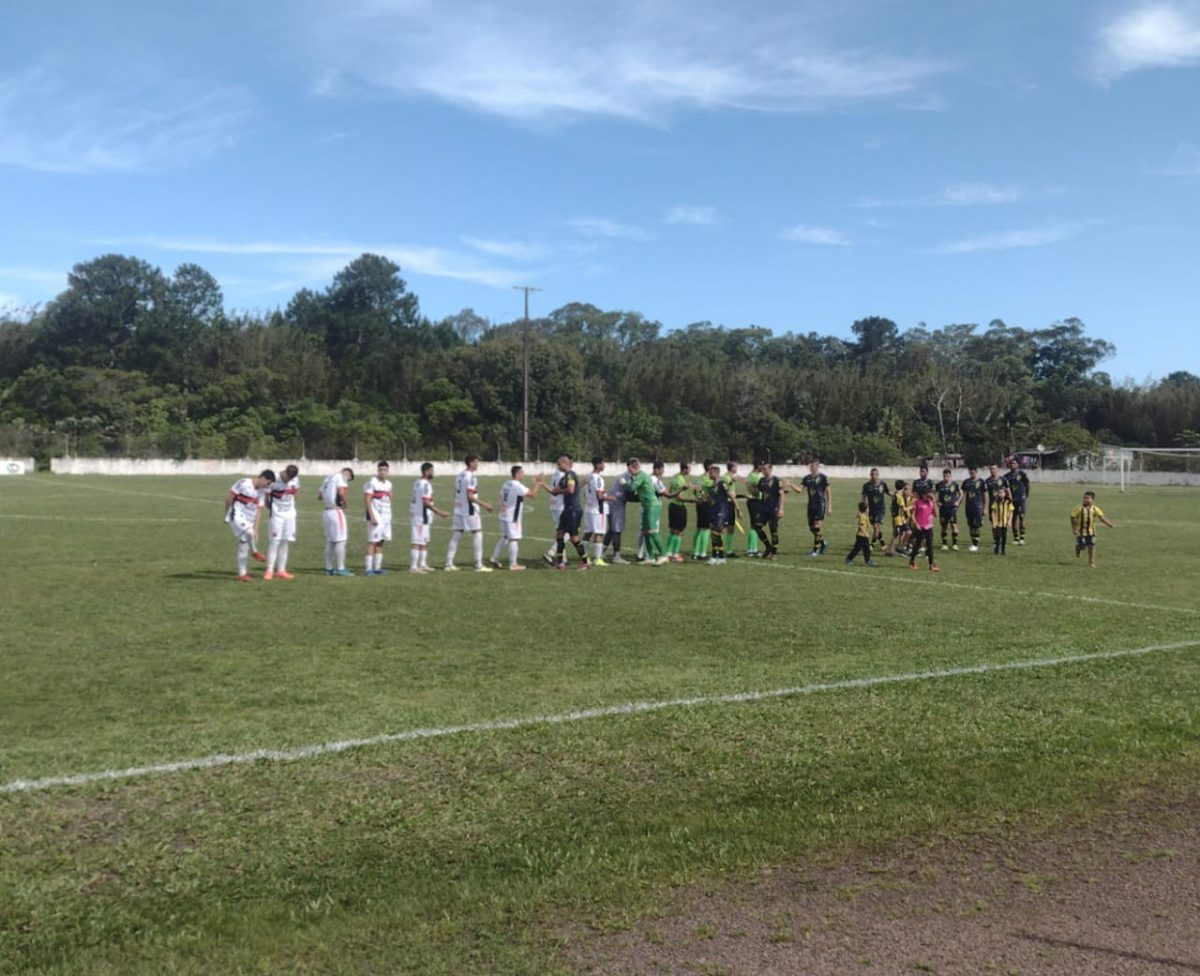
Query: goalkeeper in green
{"x": 643, "y": 487}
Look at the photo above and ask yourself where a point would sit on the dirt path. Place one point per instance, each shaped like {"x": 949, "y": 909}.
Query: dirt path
{"x": 1120, "y": 897}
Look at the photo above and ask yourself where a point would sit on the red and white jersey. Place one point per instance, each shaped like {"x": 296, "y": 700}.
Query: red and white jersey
{"x": 512, "y": 501}
{"x": 247, "y": 500}
{"x": 378, "y": 492}
{"x": 422, "y": 492}
{"x": 331, "y": 489}
{"x": 283, "y": 497}
{"x": 593, "y": 488}
{"x": 466, "y": 491}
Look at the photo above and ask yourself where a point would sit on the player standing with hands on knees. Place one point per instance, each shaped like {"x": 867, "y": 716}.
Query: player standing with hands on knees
{"x": 1083, "y": 525}
{"x": 243, "y": 508}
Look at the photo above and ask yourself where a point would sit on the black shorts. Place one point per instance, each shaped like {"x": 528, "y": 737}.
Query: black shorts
{"x": 877, "y": 517}
{"x": 974, "y": 517}
{"x": 1018, "y": 506}
{"x": 704, "y": 514}
{"x": 765, "y": 516}
{"x": 568, "y": 522}
{"x": 677, "y": 517}
{"x": 1087, "y": 540}
{"x": 815, "y": 515}
{"x": 950, "y": 518}
{"x": 717, "y": 518}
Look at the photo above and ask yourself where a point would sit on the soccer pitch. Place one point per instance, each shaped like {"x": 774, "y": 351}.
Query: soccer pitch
{"x": 545, "y": 754}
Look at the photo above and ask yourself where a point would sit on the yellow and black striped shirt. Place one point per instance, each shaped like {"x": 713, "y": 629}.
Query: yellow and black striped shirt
{"x": 1086, "y": 518}
{"x": 1002, "y": 509}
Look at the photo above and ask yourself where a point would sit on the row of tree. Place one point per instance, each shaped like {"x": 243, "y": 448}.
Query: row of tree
{"x": 130, "y": 361}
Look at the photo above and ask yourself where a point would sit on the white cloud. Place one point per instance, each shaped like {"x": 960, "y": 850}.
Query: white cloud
{"x": 47, "y": 125}
{"x": 1185, "y": 161}
{"x": 952, "y": 195}
{"x": 324, "y": 258}
{"x": 826, "y": 236}
{"x": 634, "y": 59}
{"x": 1009, "y": 240}
{"x": 604, "y": 227}
{"x": 514, "y": 250}
{"x": 700, "y": 216}
{"x": 1152, "y": 35}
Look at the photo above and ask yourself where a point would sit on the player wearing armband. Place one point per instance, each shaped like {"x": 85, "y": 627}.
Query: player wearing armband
{"x": 1084, "y": 520}
{"x": 467, "y": 517}
{"x": 333, "y": 494}
{"x": 421, "y": 511}
{"x": 243, "y": 507}
{"x": 281, "y": 527}
{"x": 377, "y": 500}
{"x": 572, "y": 515}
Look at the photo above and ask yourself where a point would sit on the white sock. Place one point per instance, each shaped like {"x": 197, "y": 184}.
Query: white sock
{"x": 283, "y": 554}
{"x": 330, "y": 548}
{"x": 339, "y": 555}
{"x": 378, "y": 561}
{"x": 641, "y": 553}
{"x": 414, "y": 558}
{"x": 243, "y": 556}
{"x": 453, "y": 547}
{"x": 370, "y": 561}
{"x": 424, "y": 558}
{"x": 512, "y": 553}
{"x": 477, "y": 547}
{"x": 272, "y": 553}
{"x": 597, "y": 550}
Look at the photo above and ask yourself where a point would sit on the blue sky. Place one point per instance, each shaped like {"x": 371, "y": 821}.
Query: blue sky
{"x": 795, "y": 165}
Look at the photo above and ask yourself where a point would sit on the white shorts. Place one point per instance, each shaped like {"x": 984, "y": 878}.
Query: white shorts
{"x": 468, "y": 523}
{"x": 594, "y": 523}
{"x": 379, "y": 531}
{"x": 420, "y": 533}
{"x": 283, "y": 528}
{"x": 242, "y": 531}
{"x": 335, "y": 525}
{"x": 510, "y": 530}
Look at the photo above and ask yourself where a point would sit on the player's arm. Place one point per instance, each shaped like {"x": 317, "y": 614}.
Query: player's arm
{"x": 370, "y": 508}
{"x": 229, "y": 502}
{"x": 782, "y": 496}
{"x": 473, "y": 495}
{"x": 431, "y": 507}
{"x": 538, "y": 485}
{"x": 828, "y": 499}
{"x": 1104, "y": 521}
{"x": 1074, "y": 526}
{"x": 343, "y": 496}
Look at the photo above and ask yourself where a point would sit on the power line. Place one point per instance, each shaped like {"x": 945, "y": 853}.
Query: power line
{"x": 525, "y": 412}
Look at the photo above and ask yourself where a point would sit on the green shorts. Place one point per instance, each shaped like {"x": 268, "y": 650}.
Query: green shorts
{"x": 650, "y": 516}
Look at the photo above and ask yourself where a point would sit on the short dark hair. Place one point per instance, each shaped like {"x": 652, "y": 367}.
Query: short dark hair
{"x": 923, "y": 467}
{"x": 946, "y": 471}
{"x": 631, "y": 460}
{"x": 1089, "y": 494}
{"x": 972, "y": 469}
{"x": 597, "y": 459}
{"x": 469, "y": 458}
{"x": 862, "y": 506}
{"x": 658, "y": 465}
{"x": 349, "y": 471}
{"x": 901, "y": 483}
{"x": 291, "y": 471}
{"x": 426, "y": 467}
{"x": 512, "y": 472}
{"x": 383, "y": 464}
{"x": 267, "y": 473}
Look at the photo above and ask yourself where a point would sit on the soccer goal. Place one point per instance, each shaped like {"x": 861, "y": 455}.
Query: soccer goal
{"x": 1121, "y": 465}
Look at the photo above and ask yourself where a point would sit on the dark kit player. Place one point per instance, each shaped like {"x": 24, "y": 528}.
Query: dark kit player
{"x": 768, "y": 510}
{"x": 572, "y": 514}
{"x": 1017, "y": 482}
{"x": 973, "y": 492}
{"x": 875, "y": 493}
{"x": 820, "y": 505}
{"x": 948, "y": 496}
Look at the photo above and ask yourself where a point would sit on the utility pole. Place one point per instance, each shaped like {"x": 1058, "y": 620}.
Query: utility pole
{"x": 525, "y": 412}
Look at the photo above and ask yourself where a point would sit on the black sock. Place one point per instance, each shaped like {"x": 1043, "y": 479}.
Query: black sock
{"x": 579, "y": 548}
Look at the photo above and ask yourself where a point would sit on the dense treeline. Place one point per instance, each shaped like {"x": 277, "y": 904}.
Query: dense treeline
{"x": 130, "y": 361}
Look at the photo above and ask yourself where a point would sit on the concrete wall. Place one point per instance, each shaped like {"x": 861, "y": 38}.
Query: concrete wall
{"x": 410, "y": 469}
{"x": 10, "y": 465}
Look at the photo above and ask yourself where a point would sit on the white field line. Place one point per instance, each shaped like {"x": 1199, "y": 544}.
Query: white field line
{"x": 563, "y": 718}
{"x": 923, "y": 580}
{"x": 72, "y": 519}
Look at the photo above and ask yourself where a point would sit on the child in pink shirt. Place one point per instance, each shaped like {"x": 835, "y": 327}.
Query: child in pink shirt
{"x": 924, "y": 510}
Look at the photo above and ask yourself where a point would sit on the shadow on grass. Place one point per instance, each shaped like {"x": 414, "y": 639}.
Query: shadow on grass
{"x": 1186, "y": 965}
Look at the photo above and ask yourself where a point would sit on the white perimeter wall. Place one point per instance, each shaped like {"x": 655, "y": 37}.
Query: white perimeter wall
{"x": 411, "y": 469}
{"x": 10, "y": 465}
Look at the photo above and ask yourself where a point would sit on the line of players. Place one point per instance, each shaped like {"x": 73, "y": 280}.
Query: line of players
{"x": 589, "y": 515}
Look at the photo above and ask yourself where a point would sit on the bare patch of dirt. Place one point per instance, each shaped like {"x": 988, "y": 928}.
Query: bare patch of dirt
{"x": 1118, "y": 897}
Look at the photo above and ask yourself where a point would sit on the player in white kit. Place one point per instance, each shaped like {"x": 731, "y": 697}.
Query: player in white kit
{"x": 334, "y": 493}
{"x": 467, "y": 517}
{"x": 377, "y": 497}
{"x": 595, "y": 511}
{"x": 281, "y": 528}
{"x": 243, "y": 507}
{"x": 512, "y": 514}
{"x": 421, "y": 511}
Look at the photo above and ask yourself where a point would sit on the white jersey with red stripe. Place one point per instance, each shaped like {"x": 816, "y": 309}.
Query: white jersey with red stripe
{"x": 247, "y": 500}
{"x": 378, "y": 492}
{"x": 331, "y": 489}
{"x": 283, "y": 497}
{"x": 418, "y": 511}
{"x": 466, "y": 492}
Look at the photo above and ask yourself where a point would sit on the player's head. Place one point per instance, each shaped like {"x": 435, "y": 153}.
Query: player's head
{"x": 1013, "y": 464}
{"x": 875, "y": 476}
{"x": 1089, "y": 497}
{"x": 972, "y": 471}
{"x": 1002, "y": 492}
{"x": 993, "y": 470}
{"x": 901, "y": 484}
{"x": 732, "y": 467}
{"x": 427, "y": 470}
{"x": 814, "y": 465}
{"x": 924, "y": 469}
{"x": 765, "y": 467}
{"x": 471, "y": 462}
{"x": 597, "y": 462}
{"x": 290, "y": 472}
{"x": 348, "y": 474}
{"x": 517, "y": 472}
{"x": 633, "y": 465}
{"x": 684, "y": 467}
{"x": 265, "y": 477}
{"x": 862, "y": 506}
{"x": 382, "y": 469}
{"x": 760, "y": 464}
{"x": 714, "y": 469}
{"x": 564, "y": 462}
{"x": 946, "y": 475}
{"x": 658, "y": 467}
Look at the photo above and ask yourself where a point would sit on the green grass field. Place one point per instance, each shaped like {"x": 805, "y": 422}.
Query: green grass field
{"x": 124, "y": 641}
